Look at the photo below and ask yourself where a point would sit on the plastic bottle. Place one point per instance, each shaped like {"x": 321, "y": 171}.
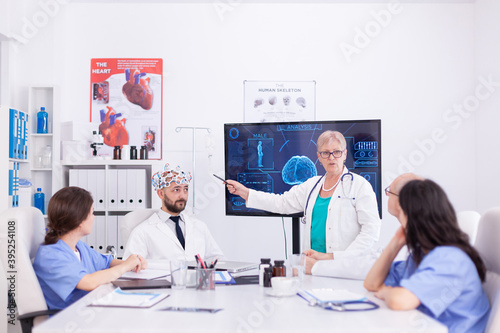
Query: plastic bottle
{"x": 42, "y": 121}
{"x": 264, "y": 263}
{"x": 40, "y": 200}
{"x": 279, "y": 268}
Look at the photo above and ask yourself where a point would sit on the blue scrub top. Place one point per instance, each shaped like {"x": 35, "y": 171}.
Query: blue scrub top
{"x": 448, "y": 286}
{"x": 58, "y": 271}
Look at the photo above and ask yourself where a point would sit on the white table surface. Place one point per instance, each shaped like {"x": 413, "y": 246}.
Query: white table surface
{"x": 246, "y": 308}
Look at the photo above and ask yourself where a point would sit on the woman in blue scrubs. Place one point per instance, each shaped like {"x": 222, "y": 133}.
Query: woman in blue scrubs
{"x": 66, "y": 267}
{"x": 443, "y": 273}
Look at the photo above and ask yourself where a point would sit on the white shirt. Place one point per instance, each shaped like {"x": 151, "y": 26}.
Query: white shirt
{"x": 154, "y": 239}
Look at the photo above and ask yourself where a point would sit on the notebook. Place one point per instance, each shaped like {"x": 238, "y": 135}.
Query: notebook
{"x": 230, "y": 266}
{"x": 141, "y": 284}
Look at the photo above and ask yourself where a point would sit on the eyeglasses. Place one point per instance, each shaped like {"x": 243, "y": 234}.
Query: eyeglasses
{"x": 388, "y": 191}
{"x": 335, "y": 153}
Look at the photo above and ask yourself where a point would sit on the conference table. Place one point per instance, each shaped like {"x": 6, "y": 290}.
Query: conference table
{"x": 245, "y": 308}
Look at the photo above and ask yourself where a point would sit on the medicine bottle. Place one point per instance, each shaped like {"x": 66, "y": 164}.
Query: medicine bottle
{"x": 117, "y": 153}
{"x": 268, "y": 274}
{"x": 144, "y": 153}
{"x": 133, "y": 153}
{"x": 279, "y": 268}
{"x": 264, "y": 263}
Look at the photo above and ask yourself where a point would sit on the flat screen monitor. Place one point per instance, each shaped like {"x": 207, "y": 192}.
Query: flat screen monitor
{"x": 273, "y": 157}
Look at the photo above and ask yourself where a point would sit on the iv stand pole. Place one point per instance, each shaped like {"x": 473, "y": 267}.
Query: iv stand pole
{"x": 178, "y": 129}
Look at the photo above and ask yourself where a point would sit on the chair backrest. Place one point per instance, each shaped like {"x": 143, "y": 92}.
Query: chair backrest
{"x": 468, "y": 221}
{"x": 25, "y": 227}
{"x": 133, "y": 219}
{"x": 488, "y": 236}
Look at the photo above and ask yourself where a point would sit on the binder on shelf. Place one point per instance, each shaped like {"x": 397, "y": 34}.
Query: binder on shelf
{"x": 113, "y": 189}
{"x": 100, "y": 190}
{"x": 140, "y": 188}
{"x": 91, "y": 238}
{"x": 73, "y": 177}
{"x": 131, "y": 193}
{"x": 26, "y": 136}
{"x": 122, "y": 188}
{"x": 92, "y": 185}
{"x": 13, "y": 184}
{"x": 121, "y": 246}
{"x": 13, "y": 116}
{"x": 82, "y": 179}
{"x": 100, "y": 234}
{"x": 112, "y": 230}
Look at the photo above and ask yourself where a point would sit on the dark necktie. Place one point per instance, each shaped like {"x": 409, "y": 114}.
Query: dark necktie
{"x": 178, "y": 231}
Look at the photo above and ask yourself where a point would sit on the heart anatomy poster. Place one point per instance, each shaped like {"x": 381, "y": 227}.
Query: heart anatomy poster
{"x": 126, "y": 102}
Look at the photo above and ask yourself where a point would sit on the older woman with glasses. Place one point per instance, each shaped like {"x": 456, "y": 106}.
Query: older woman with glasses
{"x": 341, "y": 221}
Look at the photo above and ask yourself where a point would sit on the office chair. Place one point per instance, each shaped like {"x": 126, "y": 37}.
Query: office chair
{"x": 133, "y": 219}
{"x": 27, "y": 227}
{"x": 487, "y": 239}
{"x": 468, "y": 221}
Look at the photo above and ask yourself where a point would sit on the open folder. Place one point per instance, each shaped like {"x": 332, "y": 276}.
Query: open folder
{"x": 120, "y": 298}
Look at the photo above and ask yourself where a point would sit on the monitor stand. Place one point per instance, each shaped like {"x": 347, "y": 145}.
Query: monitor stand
{"x": 296, "y": 235}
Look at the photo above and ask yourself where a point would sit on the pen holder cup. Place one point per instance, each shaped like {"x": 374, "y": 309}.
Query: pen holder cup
{"x": 205, "y": 278}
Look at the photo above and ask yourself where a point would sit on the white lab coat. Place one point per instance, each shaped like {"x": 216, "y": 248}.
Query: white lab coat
{"x": 153, "y": 239}
{"x": 352, "y": 225}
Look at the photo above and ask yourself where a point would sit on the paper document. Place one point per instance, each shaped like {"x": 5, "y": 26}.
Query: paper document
{"x": 147, "y": 274}
{"x": 330, "y": 295}
{"x": 120, "y": 298}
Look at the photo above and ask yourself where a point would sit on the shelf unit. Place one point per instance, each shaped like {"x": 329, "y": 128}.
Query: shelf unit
{"x": 110, "y": 217}
{"x": 47, "y": 177}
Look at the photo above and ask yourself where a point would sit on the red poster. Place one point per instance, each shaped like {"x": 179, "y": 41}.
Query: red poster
{"x": 126, "y": 101}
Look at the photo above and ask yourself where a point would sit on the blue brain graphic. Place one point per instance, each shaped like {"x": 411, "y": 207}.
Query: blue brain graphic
{"x": 298, "y": 169}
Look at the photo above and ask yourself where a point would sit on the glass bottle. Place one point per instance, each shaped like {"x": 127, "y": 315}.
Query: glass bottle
{"x": 117, "y": 153}
{"x": 144, "y": 153}
{"x": 264, "y": 263}
{"x": 268, "y": 274}
{"x": 133, "y": 153}
{"x": 47, "y": 157}
{"x": 279, "y": 268}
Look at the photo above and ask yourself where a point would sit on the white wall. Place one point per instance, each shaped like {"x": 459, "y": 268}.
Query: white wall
{"x": 410, "y": 74}
{"x": 488, "y": 115}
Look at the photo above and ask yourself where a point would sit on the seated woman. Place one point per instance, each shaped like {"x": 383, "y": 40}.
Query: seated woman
{"x": 66, "y": 267}
{"x": 443, "y": 273}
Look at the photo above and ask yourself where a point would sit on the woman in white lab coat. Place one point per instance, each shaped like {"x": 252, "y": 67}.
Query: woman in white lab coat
{"x": 341, "y": 222}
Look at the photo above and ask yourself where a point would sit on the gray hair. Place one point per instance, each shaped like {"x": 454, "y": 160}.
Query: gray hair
{"x": 329, "y": 136}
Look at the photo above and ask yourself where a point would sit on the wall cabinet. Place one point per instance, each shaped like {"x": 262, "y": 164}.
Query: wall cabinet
{"x": 117, "y": 188}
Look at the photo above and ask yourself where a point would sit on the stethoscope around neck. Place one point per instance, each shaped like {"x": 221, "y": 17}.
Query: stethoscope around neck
{"x": 349, "y": 173}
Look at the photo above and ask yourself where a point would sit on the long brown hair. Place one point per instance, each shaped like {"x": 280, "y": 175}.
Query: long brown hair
{"x": 432, "y": 222}
{"x": 68, "y": 208}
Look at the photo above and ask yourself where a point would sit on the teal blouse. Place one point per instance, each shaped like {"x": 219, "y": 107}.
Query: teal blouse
{"x": 318, "y": 224}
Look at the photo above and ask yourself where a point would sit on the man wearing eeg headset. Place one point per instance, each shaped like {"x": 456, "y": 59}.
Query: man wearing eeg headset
{"x": 340, "y": 208}
{"x": 170, "y": 233}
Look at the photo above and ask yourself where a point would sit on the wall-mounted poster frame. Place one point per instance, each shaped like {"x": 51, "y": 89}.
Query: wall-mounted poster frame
{"x": 126, "y": 102}
{"x": 272, "y": 101}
